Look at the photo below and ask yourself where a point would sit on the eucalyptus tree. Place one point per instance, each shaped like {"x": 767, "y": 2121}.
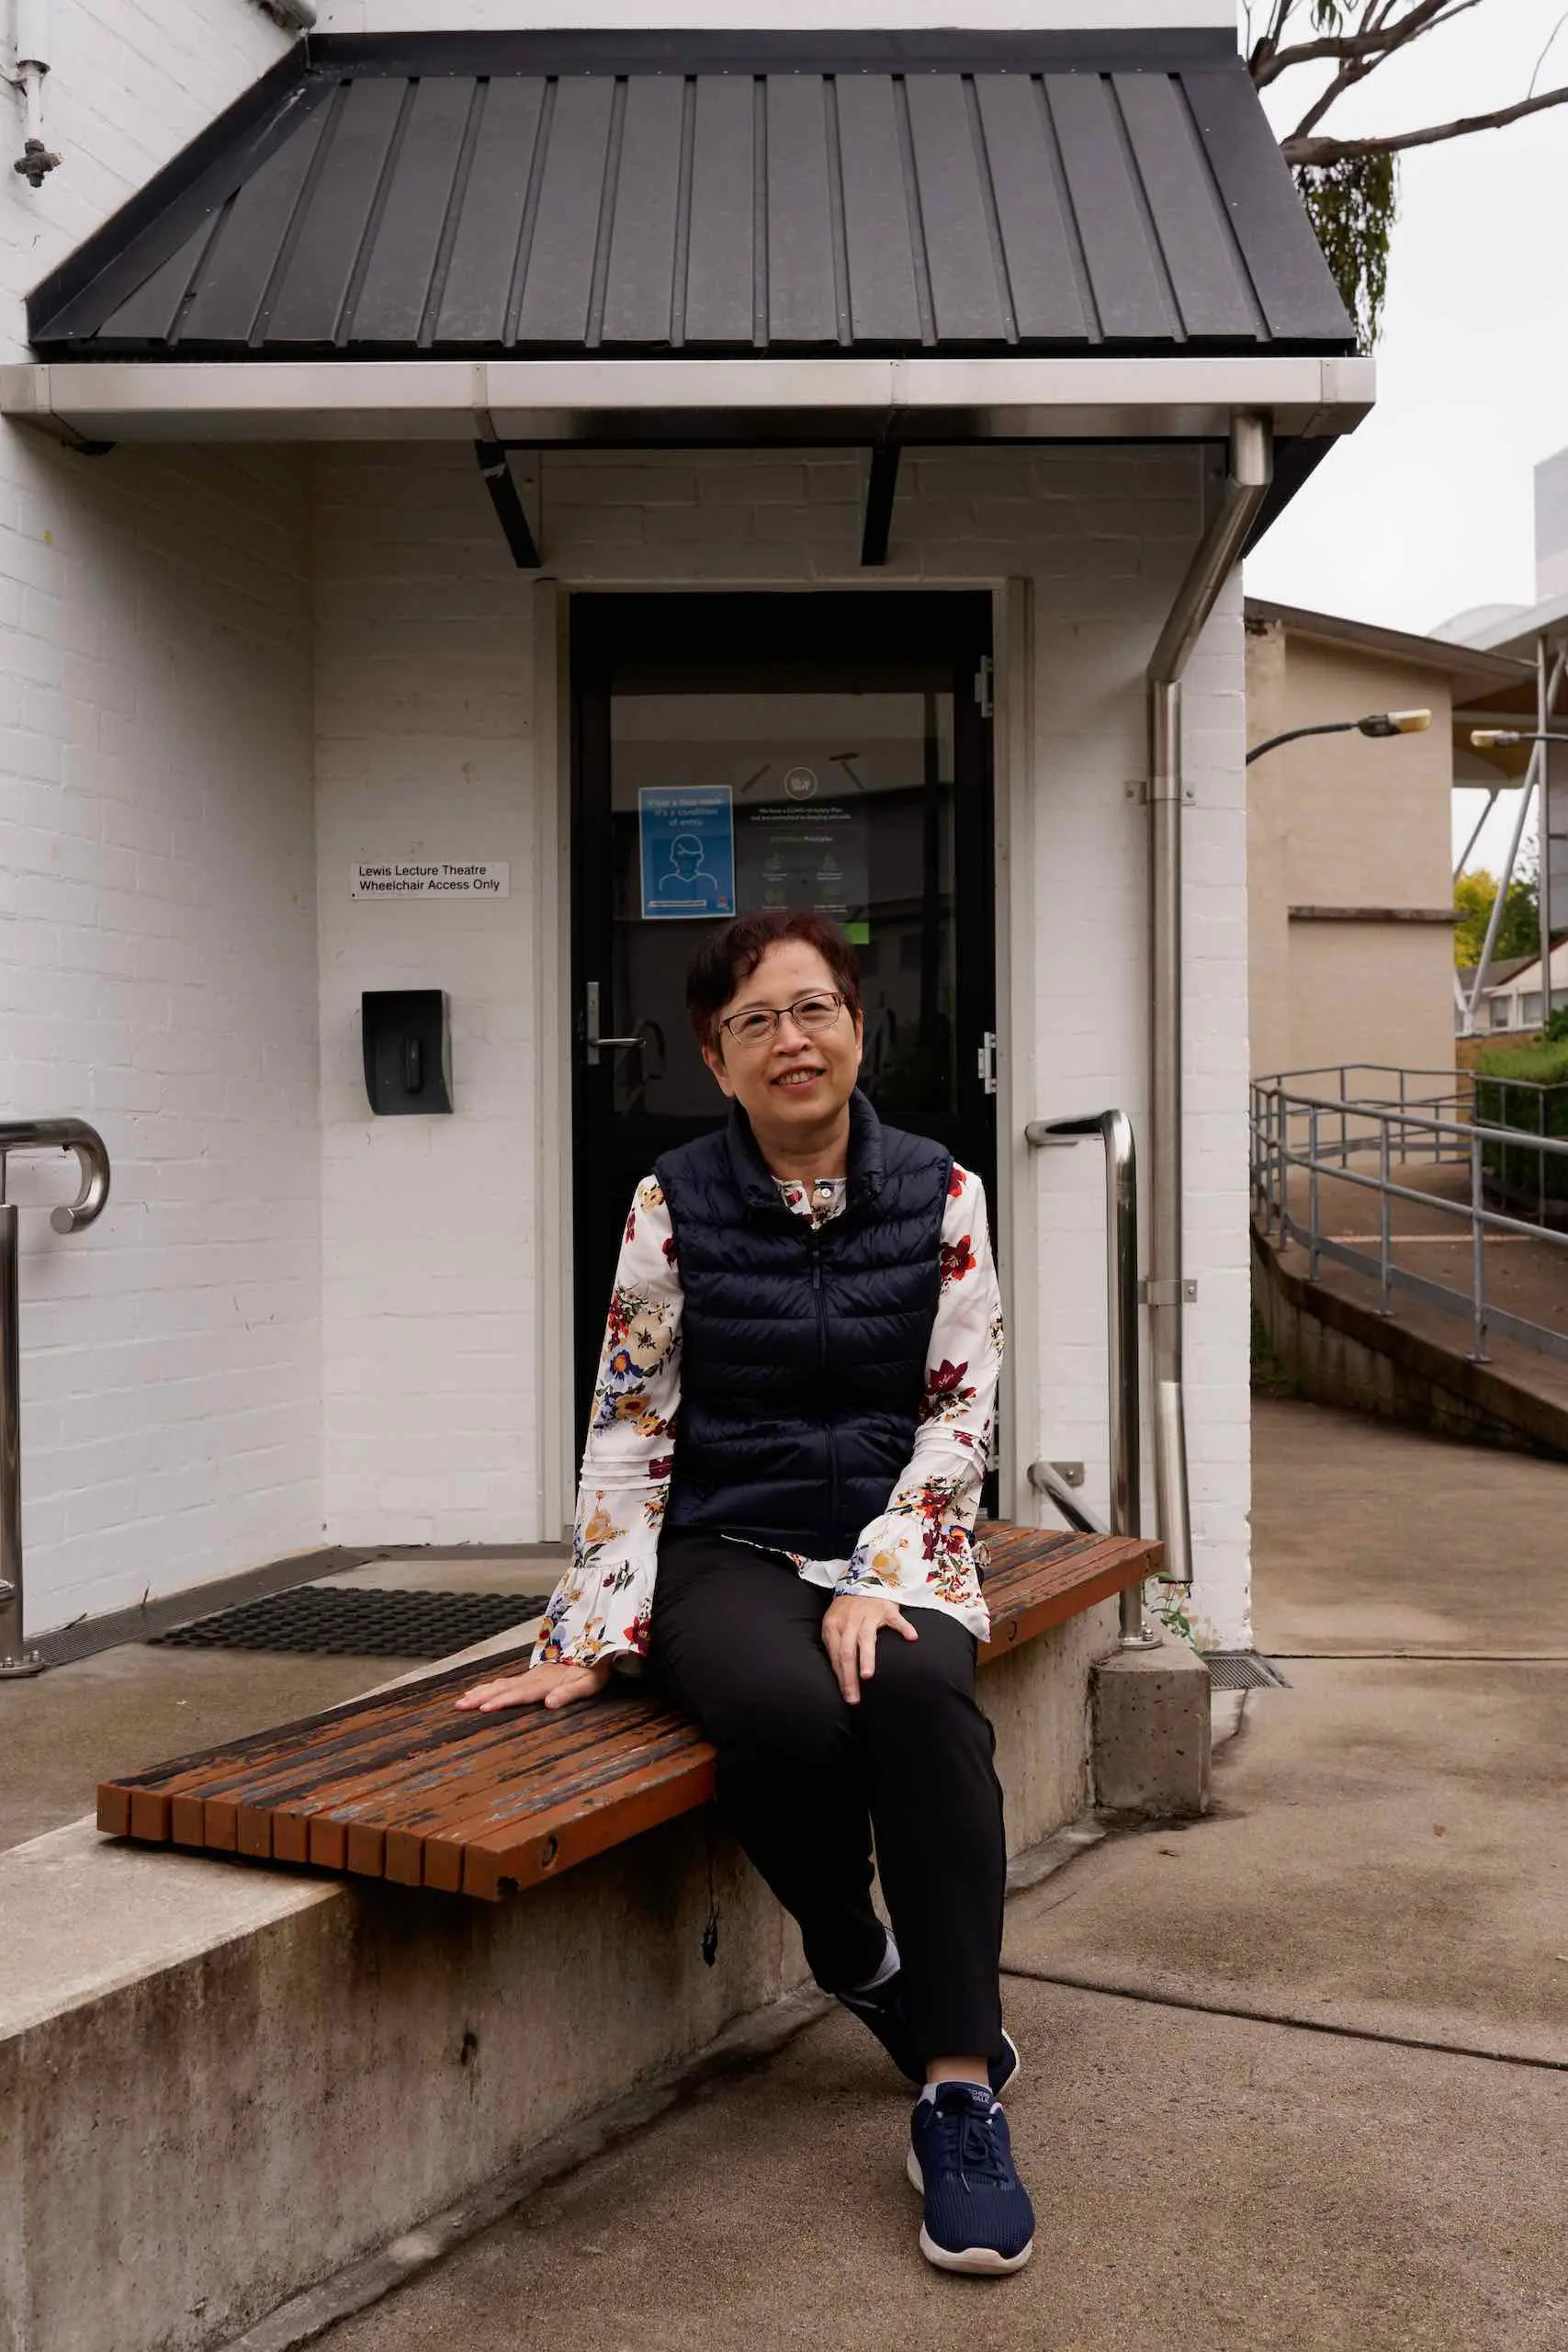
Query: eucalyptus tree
{"x": 1350, "y": 186}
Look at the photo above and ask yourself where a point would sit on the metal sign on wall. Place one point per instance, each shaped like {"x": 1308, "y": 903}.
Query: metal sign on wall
{"x": 391, "y": 877}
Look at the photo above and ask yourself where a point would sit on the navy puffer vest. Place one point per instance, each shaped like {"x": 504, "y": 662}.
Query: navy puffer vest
{"x": 803, "y": 1352}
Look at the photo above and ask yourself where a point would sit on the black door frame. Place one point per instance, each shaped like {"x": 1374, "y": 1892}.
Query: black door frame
{"x": 616, "y": 635}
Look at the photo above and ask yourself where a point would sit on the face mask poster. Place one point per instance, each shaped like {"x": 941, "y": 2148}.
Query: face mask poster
{"x": 688, "y": 851}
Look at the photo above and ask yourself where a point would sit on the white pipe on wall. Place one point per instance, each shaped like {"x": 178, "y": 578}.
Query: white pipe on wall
{"x": 1247, "y": 486}
{"x": 30, "y": 48}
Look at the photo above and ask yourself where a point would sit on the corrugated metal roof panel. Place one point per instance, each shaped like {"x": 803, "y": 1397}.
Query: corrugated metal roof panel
{"x": 441, "y": 199}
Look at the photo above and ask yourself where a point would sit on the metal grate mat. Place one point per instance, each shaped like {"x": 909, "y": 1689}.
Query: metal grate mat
{"x": 357, "y": 1622}
{"x": 1243, "y": 1670}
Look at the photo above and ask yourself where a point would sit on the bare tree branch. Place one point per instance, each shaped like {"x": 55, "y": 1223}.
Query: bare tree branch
{"x": 1540, "y": 61}
{"x": 1298, "y": 150}
{"x": 1375, "y": 43}
{"x": 1358, "y": 71}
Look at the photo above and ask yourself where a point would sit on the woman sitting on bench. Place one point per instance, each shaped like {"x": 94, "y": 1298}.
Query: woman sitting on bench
{"x": 795, "y": 1567}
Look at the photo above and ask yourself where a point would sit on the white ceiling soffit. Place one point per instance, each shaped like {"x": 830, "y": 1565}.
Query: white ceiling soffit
{"x": 587, "y": 400}
{"x": 721, "y": 15}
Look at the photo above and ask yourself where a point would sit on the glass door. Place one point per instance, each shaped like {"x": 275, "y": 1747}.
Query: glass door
{"x": 757, "y": 751}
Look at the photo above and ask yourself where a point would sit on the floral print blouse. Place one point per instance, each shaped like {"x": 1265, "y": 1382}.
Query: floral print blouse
{"x": 919, "y": 1552}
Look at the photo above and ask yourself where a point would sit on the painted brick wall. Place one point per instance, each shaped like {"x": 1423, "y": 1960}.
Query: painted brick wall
{"x": 430, "y": 1298}
{"x": 424, "y": 749}
{"x": 157, "y": 881}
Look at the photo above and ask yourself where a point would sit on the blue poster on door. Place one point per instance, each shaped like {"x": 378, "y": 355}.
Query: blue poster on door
{"x": 688, "y": 851}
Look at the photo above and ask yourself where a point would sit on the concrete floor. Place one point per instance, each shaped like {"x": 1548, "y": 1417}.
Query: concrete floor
{"x": 128, "y": 1708}
{"x": 1201, "y": 2185}
{"x": 1371, "y": 1538}
{"x": 1213, "y": 2171}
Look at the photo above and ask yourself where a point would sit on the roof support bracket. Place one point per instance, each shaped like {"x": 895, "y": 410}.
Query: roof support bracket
{"x": 508, "y": 504}
{"x": 881, "y": 484}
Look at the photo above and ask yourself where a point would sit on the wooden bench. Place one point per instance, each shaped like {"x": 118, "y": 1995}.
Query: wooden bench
{"x": 401, "y": 1786}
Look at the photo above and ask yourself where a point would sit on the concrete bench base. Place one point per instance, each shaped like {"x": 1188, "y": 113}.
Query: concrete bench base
{"x": 220, "y": 2083}
{"x": 1152, "y": 1737}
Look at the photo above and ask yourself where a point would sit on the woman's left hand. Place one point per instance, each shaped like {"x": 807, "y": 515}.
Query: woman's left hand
{"x": 849, "y": 1635}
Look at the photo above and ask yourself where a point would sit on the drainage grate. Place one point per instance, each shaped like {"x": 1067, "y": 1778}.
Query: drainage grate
{"x": 1243, "y": 1670}
{"x": 359, "y": 1622}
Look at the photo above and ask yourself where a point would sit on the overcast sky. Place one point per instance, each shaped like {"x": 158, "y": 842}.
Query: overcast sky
{"x": 1428, "y": 507}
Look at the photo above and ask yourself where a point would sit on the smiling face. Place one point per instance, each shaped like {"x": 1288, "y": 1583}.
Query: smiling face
{"x": 792, "y": 1085}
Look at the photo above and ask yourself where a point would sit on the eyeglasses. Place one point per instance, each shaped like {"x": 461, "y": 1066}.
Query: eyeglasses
{"x": 812, "y": 1014}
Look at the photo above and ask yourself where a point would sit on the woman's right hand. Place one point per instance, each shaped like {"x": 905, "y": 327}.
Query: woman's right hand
{"x": 548, "y": 1686}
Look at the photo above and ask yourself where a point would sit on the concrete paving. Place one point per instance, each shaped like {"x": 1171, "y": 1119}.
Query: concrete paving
{"x": 1367, "y": 1539}
{"x": 1201, "y": 2185}
{"x": 1214, "y": 2170}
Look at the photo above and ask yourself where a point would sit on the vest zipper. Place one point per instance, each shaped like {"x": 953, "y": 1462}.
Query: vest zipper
{"x": 814, "y": 1250}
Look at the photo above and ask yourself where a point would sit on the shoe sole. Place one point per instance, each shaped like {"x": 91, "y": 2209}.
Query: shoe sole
{"x": 974, "y": 2261}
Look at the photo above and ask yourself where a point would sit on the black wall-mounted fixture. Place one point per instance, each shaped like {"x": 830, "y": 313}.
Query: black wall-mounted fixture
{"x": 407, "y": 1050}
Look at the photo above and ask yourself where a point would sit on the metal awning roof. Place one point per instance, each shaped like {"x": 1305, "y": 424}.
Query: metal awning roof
{"x": 572, "y": 196}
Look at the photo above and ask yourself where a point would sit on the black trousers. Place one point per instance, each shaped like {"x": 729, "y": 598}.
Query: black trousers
{"x": 804, "y": 1781}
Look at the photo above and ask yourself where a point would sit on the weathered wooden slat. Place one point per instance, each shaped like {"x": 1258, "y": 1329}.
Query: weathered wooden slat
{"x": 1096, "y": 1575}
{"x": 439, "y": 1741}
{"x": 464, "y": 1748}
{"x": 600, "y": 1748}
{"x": 493, "y": 1865}
{"x": 318, "y": 1746}
{"x": 255, "y": 1743}
{"x": 402, "y": 1786}
{"x": 512, "y": 1806}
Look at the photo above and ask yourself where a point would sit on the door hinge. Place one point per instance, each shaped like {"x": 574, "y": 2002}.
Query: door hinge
{"x": 983, "y": 676}
{"x": 987, "y": 1062}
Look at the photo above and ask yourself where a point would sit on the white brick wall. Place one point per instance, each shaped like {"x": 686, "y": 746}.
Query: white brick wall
{"x": 429, "y": 1296}
{"x": 424, "y": 749}
{"x": 157, "y": 883}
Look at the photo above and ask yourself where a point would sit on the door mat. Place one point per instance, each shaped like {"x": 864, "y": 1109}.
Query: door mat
{"x": 1244, "y": 1670}
{"x": 357, "y": 1622}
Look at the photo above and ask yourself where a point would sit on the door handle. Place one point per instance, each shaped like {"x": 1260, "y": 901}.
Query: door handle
{"x": 592, "y": 1039}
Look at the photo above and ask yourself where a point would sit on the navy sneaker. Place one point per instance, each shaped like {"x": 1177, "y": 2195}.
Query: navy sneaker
{"x": 978, "y": 2215}
{"x": 882, "y": 2012}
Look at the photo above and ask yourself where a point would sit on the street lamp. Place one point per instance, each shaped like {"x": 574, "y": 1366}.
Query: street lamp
{"x": 1378, "y": 722}
{"x": 1489, "y": 739}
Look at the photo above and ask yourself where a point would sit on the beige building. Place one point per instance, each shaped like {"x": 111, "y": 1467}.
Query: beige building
{"x": 1350, "y": 856}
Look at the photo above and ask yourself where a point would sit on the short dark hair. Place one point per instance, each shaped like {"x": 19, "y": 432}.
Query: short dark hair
{"x": 728, "y": 957}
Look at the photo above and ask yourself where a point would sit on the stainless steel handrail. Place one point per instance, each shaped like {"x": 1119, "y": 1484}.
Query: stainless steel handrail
{"x": 93, "y": 1161}
{"x": 1115, "y": 1132}
{"x": 1277, "y": 1118}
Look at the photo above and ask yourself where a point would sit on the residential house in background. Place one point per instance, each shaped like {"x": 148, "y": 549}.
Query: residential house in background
{"x": 1511, "y": 1000}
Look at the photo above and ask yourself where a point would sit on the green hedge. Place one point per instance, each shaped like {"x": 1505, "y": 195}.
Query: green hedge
{"x": 1500, "y": 1104}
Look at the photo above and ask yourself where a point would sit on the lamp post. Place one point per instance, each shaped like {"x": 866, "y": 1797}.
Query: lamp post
{"x": 1377, "y": 722}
